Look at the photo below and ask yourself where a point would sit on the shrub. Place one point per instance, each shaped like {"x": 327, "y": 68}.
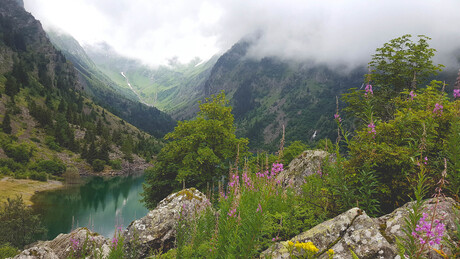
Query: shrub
{"x": 54, "y": 167}
{"x": 51, "y": 143}
{"x": 7, "y": 251}
{"x": 39, "y": 176}
{"x": 98, "y": 165}
{"x": 115, "y": 164}
{"x": 18, "y": 225}
{"x": 20, "y": 153}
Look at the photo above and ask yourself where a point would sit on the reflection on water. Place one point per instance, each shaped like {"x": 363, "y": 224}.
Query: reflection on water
{"x": 99, "y": 204}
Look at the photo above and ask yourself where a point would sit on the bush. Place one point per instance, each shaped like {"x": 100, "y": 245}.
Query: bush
{"x": 115, "y": 164}
{"x": 18, "y": 225}
{"x": 98, "y": 165}
{"x": 10, "y": 164}
{"x": 39, "y": 176}
{"x": 53, "y": 167}
{"x": 51, "y": 143}
{"x": 20, "y": 153}
{"x": 7, "y": 251}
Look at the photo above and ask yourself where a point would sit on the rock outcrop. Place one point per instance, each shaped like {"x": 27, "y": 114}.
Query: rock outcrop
{"x": 65, "y": 245}
{"x": 308, "y": 163}
{"x": 366, "y": 237}
{"x": 156, "y": 231}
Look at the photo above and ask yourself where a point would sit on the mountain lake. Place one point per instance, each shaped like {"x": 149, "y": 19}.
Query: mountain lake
{"x": 100, "y": 204}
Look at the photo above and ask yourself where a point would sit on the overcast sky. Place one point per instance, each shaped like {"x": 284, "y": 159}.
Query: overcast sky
{"x": 330, "y": 31}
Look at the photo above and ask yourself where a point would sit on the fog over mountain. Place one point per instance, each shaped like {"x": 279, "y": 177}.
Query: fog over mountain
{"x": 327, "y": 31}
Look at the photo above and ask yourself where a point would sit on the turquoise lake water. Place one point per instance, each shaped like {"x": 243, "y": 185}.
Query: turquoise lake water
{"x": 100, "y": 204}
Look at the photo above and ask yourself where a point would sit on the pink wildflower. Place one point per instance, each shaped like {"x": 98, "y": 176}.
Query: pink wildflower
{"x": 368, "y": 90}
{"x": 456, "y": 93}
{"x": 438, "y": 109}
{"x": 412, "y": 95}
{"x": 259, "y": 208}
{"x": 371, "y": 126}
{"x": 337, "y": 117}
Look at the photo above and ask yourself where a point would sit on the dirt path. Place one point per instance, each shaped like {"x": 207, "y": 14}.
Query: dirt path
{"x": 10, "y": 187}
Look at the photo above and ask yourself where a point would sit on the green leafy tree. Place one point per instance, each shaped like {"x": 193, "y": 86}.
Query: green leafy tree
{"x": 18, "y": 225}
{"x": 199, "y": 152}
{"x": 400, "y": 64}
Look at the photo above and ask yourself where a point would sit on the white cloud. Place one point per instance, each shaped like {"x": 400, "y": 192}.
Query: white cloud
{"x": 328, "y": 30}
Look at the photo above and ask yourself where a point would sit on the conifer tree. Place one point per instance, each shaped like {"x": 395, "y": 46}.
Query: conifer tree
{"x": 6, "y": 124}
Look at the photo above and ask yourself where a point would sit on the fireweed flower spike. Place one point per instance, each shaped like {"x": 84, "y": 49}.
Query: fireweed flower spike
{"x": 371, "y": 127}
{"x": 438, "y": 109}
{"x": 337, "y": 117}
{"x": 456, "y": 93}
{"x": 368, "y": 90}
{"x": 412, "y": 95}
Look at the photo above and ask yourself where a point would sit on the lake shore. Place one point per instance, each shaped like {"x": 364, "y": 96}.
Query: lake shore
{"x": 11, "y": 187}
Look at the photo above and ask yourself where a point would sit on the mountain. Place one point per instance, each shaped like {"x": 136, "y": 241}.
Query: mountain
{"x": 108, "y": 93}
{"x": 174, "y": 89}
{"x": 268, "y": 93}
{"x": 48, "y": 121}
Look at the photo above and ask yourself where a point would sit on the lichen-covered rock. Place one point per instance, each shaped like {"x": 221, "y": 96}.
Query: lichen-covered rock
{"x": 351, "y": 230}
{"x": 392, "y": 224}
{"x": 157, "y": 230}
{"x": 65, "y": 244}
{"x": 308, "y": 163}
{"x": 367, "y": 237}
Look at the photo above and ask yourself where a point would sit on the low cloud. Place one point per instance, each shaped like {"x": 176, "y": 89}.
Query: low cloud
{"x": 327, "y": 31}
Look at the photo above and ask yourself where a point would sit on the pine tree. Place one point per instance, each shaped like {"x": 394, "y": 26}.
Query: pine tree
{"x": 6, "y": 124}
{"x": 11, "y": 86}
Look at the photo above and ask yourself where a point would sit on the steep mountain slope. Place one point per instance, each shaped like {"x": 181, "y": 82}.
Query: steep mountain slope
{"x": 46, "y": 118}
{"x": 111, "y": 95}
{"x": 173, "y": 89}
{"x": 269, "y": 93}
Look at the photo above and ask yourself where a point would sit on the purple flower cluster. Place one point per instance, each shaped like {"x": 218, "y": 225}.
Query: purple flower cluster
{"x": 114, "y": 241}
{"x": 247, "y": 181}
{"x": 368, "y": 90}
{"x": 337, "y": 117}
{"x": 371, "y": 126}
{"x": 75, "y": 244}
{"x": 438, "y": 109}
{"x": 259, "y": 208}
{"x": 412, "y": 95}
{"x": 456, "y": 93}
{"x": 232, "y": 213}
{"x": 426, "y": 232}
{"x": 276, "y": 168}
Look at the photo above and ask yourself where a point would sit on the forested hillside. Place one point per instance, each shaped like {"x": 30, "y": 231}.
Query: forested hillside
{"x": 50, "y": 126}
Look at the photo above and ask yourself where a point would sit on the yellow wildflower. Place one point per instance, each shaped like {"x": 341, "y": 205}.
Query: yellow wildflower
{"x": 290, "y": 244}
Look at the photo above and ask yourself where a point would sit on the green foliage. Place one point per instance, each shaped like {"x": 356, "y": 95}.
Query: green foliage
{"x": 18, "y": 225}
{"x": 7, "y": 251}
{"x": 20, "y": 153}
{"x": 39, "y": 176}
{"x": 98, "y": 165}
{"x": 115, "y": 164}
{"x": 54, "y": 167}
{"x": 199, "y": 151}
{"x": 292, "y": 151}
{"x": 6, "y": 124}
{"x": 395, "y": 151}
{"x": 402, "y": 64}
{"x": 399, "y": 65}
{"x": 239, "y": 230}
{"x": 51, "y": 143}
